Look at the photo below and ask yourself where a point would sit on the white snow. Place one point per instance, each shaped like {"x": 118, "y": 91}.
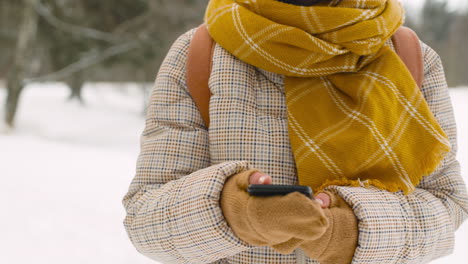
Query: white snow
{"x": 66, "y": 167}
{"x": 64, "y": 173}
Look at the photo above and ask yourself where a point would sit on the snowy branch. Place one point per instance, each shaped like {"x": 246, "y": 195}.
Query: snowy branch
{"x": 94, "y": 58}
{"x": 74, "y": 29}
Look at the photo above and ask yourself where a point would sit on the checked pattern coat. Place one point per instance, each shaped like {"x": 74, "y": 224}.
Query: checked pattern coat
{"x": 173, "y": 211}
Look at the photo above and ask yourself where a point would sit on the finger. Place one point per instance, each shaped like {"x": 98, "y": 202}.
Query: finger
{"x": 260, "y": 178}
{"x": 324, "y": 199}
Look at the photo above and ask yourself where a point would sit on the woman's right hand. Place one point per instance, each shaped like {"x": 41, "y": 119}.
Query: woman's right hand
{"x": 281, "y": 221}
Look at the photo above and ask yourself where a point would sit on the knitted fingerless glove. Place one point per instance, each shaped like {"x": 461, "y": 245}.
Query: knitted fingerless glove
{"x": 338, "y": 244}
{"x": 281, "y": 222}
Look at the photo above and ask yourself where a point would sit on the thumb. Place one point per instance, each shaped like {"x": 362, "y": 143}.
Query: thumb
{"x": 260, "y": 178}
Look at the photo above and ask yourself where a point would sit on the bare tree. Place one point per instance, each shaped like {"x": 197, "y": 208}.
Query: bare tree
{"x": 19, "y": 69}
{"x": 80, "y": 40}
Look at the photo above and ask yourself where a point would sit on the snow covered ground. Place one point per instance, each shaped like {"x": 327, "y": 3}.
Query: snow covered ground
{"x": 66, "y": 168}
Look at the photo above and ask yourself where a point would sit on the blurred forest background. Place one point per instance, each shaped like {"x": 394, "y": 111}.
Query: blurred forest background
{"x": 125, "y": 41}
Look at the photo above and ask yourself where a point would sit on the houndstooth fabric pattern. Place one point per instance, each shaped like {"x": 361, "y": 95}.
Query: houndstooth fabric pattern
{"x": 173, "y": 212}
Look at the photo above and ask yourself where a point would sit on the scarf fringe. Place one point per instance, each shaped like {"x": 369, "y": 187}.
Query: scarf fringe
{"x": 428, "y": 165}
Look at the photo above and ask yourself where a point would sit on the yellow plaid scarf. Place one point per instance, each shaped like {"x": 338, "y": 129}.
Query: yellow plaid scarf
{"x": 355, "y": 114}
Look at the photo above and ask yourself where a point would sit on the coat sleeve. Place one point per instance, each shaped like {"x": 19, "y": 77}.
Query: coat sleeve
{"x": 420, "y": 227}
{"x": 172, "y": 206}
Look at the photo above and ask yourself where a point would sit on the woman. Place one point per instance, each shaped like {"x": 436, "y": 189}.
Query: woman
{"x": 303, "y": 92}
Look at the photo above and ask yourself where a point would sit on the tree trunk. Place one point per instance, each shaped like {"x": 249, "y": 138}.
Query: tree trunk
{"x": 76, "y": 82}
{"x": 24, "y": 46}
{"x": 14, "y": 88}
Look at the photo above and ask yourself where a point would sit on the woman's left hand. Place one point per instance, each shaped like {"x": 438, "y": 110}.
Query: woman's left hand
{"x": 338, "y": 243}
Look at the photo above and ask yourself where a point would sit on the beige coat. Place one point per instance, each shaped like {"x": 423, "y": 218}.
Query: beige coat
{"x": 173, "y": 211}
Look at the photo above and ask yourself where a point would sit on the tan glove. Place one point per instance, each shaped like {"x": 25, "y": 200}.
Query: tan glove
{"x": 281, "y": 222}
{"x": 338, "y": 244}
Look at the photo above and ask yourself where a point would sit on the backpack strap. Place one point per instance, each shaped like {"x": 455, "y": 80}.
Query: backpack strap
{"x": 198, "y": 70}
{"x": 408, "y": 47}
{"x": 200, "y": 62}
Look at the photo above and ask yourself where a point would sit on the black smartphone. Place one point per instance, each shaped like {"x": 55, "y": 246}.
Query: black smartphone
{"x": 276, "y": 189}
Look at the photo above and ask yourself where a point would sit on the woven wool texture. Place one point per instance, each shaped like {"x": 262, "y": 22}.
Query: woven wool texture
{"x": 345, "y": 90}
{"x": 288, "y": 222}
{"x": 173, "y": 208}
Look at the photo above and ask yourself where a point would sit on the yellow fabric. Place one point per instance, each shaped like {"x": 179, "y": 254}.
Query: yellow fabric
{"x": 355, "y": 113}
